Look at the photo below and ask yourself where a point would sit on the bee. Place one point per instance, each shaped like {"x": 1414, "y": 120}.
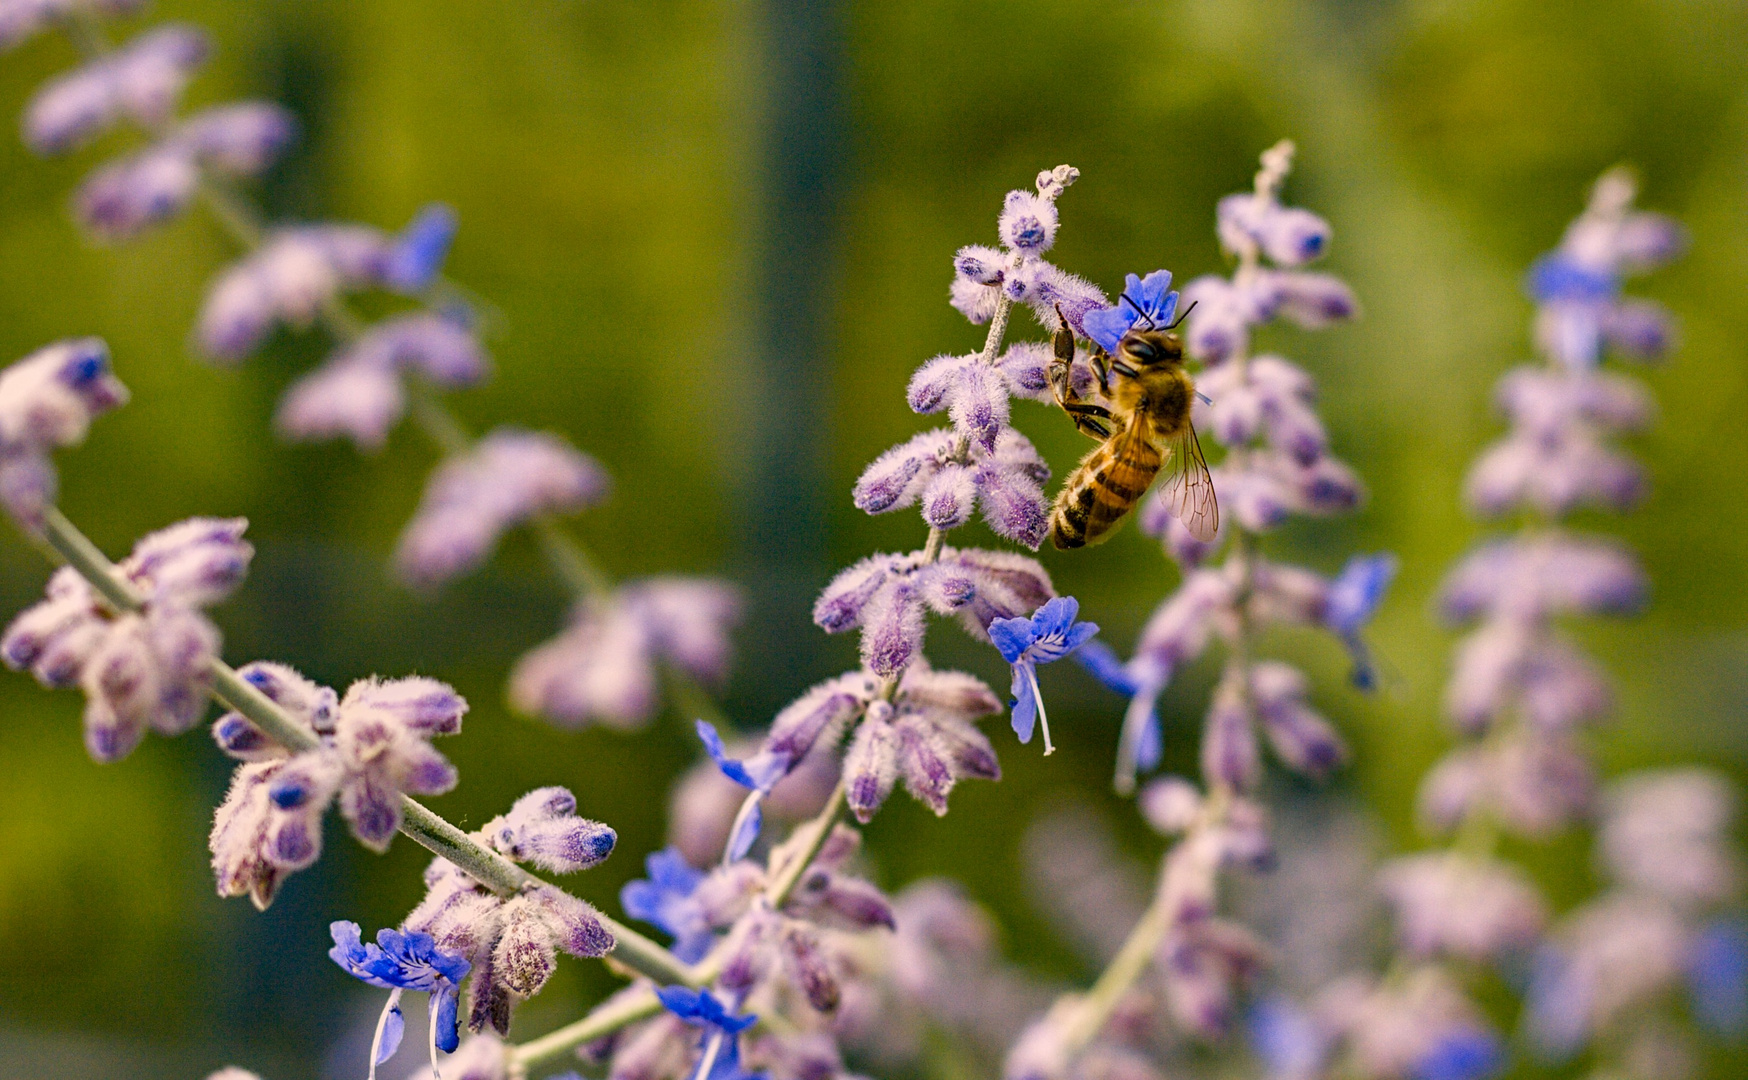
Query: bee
{"x": 1143, "y": 428}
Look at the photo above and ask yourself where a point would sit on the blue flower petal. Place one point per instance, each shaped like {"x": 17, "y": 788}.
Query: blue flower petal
{"x": 730, "y": 767}
{"x": 1101, "y": 661}
{"x": 1024, "y": 707}
{"x": 422, "y": 247}
{"x": 443, "y": 1008}
{"x": 746, "y": 829}
{"x": 354, "y": 956}
{"x": 1106, "y": 326}
{"x": 1055, "y": 617}
{"x": 1153, "y": 293}
{"x": 1467, "y": 1054}
{"x": 392, "y": 1030}
{"x": 1152, "y": 745}
{"x": 1011, "y": 637}
{"x": 1357, "y": 592}
{"x": 1555, "y": 276}
{"x": 1717, "y": 976}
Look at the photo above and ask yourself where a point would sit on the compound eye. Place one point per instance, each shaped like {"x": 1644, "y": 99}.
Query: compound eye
{"x": 1142, "y": 349}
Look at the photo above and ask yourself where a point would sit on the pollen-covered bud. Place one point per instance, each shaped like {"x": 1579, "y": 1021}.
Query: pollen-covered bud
{"x": 983, "y": 265}
{"x": 948, "y": 500}
{"x": 344, "y": 398}
{"x": 542, "y": 828}
{"x": 524, "y": 957}
{"x": 806, "y": 963}
{"x": 1303, "y": 740}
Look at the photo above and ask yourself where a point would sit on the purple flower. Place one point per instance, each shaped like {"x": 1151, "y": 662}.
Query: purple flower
{"x": 1148, "y": 301}
{"x": 950, "y": 479}
{"x": 144, "y": 670}
{"x": 293, "y": 275}
{"x": 403, "y": 961}
{"x": 1287, "y": 1038}
{"x": 343, "y": 397}
{"x": 47, "y": 401}
{"x": 1449, "y": 903}
{"x": 604, "y": 667}
{"x": 1028, "y": 222}
{"x": 142, "y": 81}
{"x": 507, "y": 478}
{"x": 1050, "y": 634}
{"x": 926, "y": 736}
{"x": 20, "y": 20}
{"x": 886, "y": 596}
{"x": 542, "y": 827}
{"x": 1470, "y": 1054}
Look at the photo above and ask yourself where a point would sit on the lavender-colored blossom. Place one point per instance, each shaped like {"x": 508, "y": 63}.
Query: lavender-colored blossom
{"x": 1204, "y": 964}
{"x": 1420, "y": 1026}
{"x": 125, "y": 197}
{"x": 374, "y": 744}
{"x": 1287, "y": 1038}
{"x": 1148, "y": 301}
{"x": 950, "y": 477}
{"x": 925, "y": 736}
{"x": 295, "y": 273}
{"x": 887, "y": 597}
{"x": 140, "y": 670}
{"x": 1302, "y": 740}
{"x": 1577, "y": 285}
{"x": 507, "y": 478}
{"x": 20, "y": 20}
{"x": 1453, "y": 904}
{"x": 142, "y": 81}
{"x": 1614, "y": 955}
{"x": 983, "y": 276}
{"x": 47, "y": 401}
{"x": 513, "y": 942}
{"x": 1050, "y": 634}
{"x": 403, "y": 961}
{"x": 604, "y": 667}
{"x": 358, "y": 392}
{"x": 1668, "y": 834}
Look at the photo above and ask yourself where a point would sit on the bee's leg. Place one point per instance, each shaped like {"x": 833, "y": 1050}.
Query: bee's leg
{"x": 1092, "y": 420}
{"x": 1101, "y": 365}
{"x": 1062, "y": 362}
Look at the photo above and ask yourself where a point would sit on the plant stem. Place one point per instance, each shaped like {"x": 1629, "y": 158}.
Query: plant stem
{"x": 604, "y": 1019}
{"x": 821, "y": 827}
{"x": 418, "y": 822}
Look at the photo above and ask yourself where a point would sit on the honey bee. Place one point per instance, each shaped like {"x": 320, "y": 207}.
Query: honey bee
{"x": 1143, "y": 428}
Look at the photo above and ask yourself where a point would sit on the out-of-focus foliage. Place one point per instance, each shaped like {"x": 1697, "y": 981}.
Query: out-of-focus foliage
{"x": 602, "y": 155}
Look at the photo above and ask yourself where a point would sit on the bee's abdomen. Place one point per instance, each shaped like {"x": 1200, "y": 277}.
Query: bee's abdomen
{"x": 1103, "y": 489}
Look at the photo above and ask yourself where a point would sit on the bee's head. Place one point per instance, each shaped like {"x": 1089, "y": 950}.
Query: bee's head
{"x": 1152, "y": 348}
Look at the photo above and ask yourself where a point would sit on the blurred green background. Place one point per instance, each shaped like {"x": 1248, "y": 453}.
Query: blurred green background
{"x": 714, "y": 242}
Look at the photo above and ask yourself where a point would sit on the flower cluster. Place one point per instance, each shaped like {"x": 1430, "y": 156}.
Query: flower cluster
{"x": 605, "y": 666}
{"x": 358, "y": 392}
{"x": 512, "y": 942}
{"x": 145, "y": 669}
{"x": 801, "y": 959}
{"x": 507, "y": 478}
{"x": 1277, "y": 463}
{"x": 1521, "y": 693}
{"x": 47, "y": 400}
{"x": 374, "y": 745}
{"x": 1556, "y": 457}
{"x": 1664, "y": 845}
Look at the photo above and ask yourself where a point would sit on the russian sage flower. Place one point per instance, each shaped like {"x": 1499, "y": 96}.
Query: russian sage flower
{"x": 358, "y": 392}
{"x": 1420, "y": 1025}
{"x": 21, "y": 20}
{"x": 509, "y": 477}
{"x": 512, "y": 942}
{"x": 47, "y": 401}
{"x": 1147, "y": 300}
{"x": 605, "y": 667}
{"x": 887, "y": 598}
{"x": 374, "y": 745}
{"x": 719, "y": 1054}
{"x": 1027, "y": 226}
{"x": 142, "y": 81}
{"x": 403, "y": 961}
{"x": 298, "y": 271}
{"x": 124, "y": 197}
{"x": 1049, "y": 635}
{"x": 1577, "y": 285}
{"x": 144, "y": 670}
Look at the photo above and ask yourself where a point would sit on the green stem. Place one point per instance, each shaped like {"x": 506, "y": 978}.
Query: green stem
{"x": 603, "y": 1020}
{"x": 418, "y": 822}
{"x": 789, "y": 875}
{"x": 1120, "y": 974}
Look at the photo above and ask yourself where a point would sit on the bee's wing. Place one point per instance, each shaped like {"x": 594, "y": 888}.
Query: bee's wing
{"x": 1189, "y": 488}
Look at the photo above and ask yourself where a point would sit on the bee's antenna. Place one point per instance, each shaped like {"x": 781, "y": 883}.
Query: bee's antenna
{"x": 1184, "y": 315}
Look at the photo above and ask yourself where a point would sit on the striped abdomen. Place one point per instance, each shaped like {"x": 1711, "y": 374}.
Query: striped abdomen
{"x": 1108, "y": 483}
